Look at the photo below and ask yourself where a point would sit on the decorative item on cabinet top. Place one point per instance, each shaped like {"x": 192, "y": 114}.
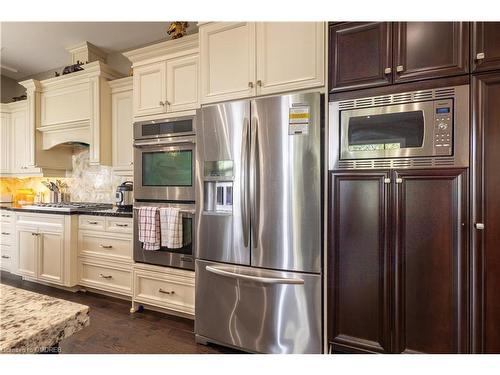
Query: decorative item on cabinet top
{"x": 177, "y": 29}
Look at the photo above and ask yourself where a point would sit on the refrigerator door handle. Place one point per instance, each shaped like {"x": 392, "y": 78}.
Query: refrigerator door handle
{"x": 244, "y": 182}
{"x": 254, "y": 182}
{"x": 227, "y": 272}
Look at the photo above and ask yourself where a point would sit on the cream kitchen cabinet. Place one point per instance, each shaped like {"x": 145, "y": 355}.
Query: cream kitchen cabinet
{"x": 122, "y": 126}
{"x": 5, "y": 143}
{"x": 7, "y": 240}
{"x": 227, "y": 58}
{"x": 165, "y": 77}
{"x": 244, "y": 59}
{"x": 150, "y": 93}
{"x": 46, "y": 247}
{"x": 21, "y": 134}
{"x": 290, "y": 56}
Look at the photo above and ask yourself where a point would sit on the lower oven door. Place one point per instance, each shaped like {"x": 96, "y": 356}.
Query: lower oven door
{"x": 165, "y": 169}
{"x": 258, "y": 310}
{"x": 180, "y": 258}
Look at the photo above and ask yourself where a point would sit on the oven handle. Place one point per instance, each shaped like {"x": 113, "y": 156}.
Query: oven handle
{"x": 222, "y": 271}
{"x": 167, "y": 141}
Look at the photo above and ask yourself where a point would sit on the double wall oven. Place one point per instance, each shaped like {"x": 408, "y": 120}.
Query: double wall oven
{"x": 164, "y": 176}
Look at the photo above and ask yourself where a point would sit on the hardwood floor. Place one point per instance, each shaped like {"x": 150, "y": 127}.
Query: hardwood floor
{"x": 113, "y": 330}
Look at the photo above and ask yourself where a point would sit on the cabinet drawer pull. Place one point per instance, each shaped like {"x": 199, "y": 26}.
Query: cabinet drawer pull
{"x": 35, "y": 234}
{"x": 479, "y": 226}
{"x": 161, "y": 103}
{"x": 259, "y": 83}
{"x": 106, "y": 246}
{"x": 250, "y": 84}
{"x": 121, "y": 225}
{"x": 166, "y": 292}
{"x": 5, "y": 257}
{"x": 6, "y": 233}
{"x": 387, "y": 70}
{"x": 105, "y": 276}
{"x": 399, "y": 68}
{"x": 4, "y": 215}
{"x": 480, "y": 56}
{"x": 399, "y": 180}
{"x": 92, "y": 222}
{"x": 387, "y": 180}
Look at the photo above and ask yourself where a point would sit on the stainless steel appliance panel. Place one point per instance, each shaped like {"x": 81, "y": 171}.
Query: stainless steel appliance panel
{"x": 259, "y": 310}
{"x": 180, "y": 258}
{"x": 224, "y": 136}
{"x": 285, "y": 185}
{"x": 438, "y": 128}
{"x": 164, "y": 191}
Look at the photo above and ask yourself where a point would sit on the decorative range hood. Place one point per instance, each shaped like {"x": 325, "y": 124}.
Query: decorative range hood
{"x": 75, "y": 109}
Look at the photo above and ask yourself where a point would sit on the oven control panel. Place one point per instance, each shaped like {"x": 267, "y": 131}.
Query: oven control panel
{"x": 443, "y": 127}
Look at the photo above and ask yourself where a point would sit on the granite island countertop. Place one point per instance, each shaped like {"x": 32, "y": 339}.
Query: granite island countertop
{"x": 31, "y": 322}
{"x": 112, "y": 211}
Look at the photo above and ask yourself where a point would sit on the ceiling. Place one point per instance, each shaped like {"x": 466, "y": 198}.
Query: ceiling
{"x": 34, "y": 47}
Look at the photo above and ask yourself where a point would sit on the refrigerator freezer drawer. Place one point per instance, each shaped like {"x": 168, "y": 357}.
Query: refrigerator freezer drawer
{"x": 258, "y": 310}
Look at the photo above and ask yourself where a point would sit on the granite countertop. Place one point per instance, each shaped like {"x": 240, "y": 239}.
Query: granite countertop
{"x": 32, "y": 322}
{"x": 107, "y": 212}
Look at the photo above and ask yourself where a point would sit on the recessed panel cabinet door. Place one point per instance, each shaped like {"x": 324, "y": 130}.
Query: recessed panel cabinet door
{"x": 360, "y": 55}
{"x": 5, "y": 143}
{"x": 123, "y": 137}
{"x": 430, "y": 49}
{"x": 20, "y": 134}
{"x": 485, "y": 46}
{"x": 149, "y": 89}
{"x": 486, "y": 212}
{"x": 290, "y": 56}
{"x": 430, "y": 282}
{"x": 227, "y": 58}
{"x": 358, "y": 262}
{"x": 51, "y": 247}
{"x": 182, "y": 83}
{"x": 27, "y": 248}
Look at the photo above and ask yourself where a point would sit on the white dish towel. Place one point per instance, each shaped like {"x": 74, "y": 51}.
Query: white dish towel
{"x": 171, "y": 227}
{"x": 149, "y": 228}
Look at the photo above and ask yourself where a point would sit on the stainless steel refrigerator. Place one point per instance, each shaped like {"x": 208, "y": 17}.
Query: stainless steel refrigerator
{"x": 258, "y": 228}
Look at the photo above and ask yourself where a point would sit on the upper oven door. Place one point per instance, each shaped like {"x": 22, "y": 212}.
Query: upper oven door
{"x": 164, "y": 169}
{"x": 404, "y": 130}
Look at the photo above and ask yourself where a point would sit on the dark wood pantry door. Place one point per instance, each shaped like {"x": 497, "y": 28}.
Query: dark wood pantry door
{"x": 360, "y": 55}
{"x": 485, "y": 46}
{"x": 431, "y": 261}
{"x": 424, "y": 50}
{"x": 486, "y": 210}
{"x": 358, "y": 262}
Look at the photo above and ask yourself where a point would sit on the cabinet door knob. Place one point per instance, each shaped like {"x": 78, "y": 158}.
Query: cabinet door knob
{"x": 161, "y": 103}
{"x": 387, "y": 70}
{"x": 131, "y": 163}
{"x": 250, "y": 84}
{"x": 167, "y": 102}
{"x": 480, "y": 56}
{"x": 259, "y": 83}
{"x": 399, "y": 68}
{"x": 479, "y": 226}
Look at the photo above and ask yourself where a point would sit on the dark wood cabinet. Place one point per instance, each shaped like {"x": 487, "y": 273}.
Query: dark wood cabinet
{"x": 485, "y": 46}
{"x": 370, "y": 54}
{"x": 358, "y": 263}
{"x": 486, "y": 212}
{"x": 360, "y": 55}
{"x": 431, "y": 262}
{"x": 424, "y": 50}
{"x": 397, "y": 261}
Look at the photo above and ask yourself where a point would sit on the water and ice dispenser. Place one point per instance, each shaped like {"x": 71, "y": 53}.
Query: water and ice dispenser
{"x": 218, "y": 186}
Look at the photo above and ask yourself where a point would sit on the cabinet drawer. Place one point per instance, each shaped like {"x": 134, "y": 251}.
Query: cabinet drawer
{"x": 110, "y": 277}
{"x": 167, "y": 291}
{"x": 105, "y": 245}
{"x": 6, "y": 260}
{"x": 6, "y": 216}
{"x": 6, "y": 234}
{"x": 47, "y": 221}
{"x": 92, "y": 222}
{"x": 119, "y": 224}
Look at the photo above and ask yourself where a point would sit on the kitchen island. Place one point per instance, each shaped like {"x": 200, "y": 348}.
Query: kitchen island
{"x": 34, "y": 323}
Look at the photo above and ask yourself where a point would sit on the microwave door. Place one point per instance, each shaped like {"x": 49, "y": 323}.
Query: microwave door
{"x": 387, "y": 132}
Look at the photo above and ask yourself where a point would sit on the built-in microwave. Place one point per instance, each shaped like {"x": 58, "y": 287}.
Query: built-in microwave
{"x": 419, "y": 129}
{"x": 164, "y": 159}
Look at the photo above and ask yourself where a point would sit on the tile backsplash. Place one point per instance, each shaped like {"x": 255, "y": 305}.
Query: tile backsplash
{"x": 86, "y": 184}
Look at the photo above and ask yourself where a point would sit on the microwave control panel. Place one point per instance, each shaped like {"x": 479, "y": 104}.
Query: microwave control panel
{"x": 443, "y": 127}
